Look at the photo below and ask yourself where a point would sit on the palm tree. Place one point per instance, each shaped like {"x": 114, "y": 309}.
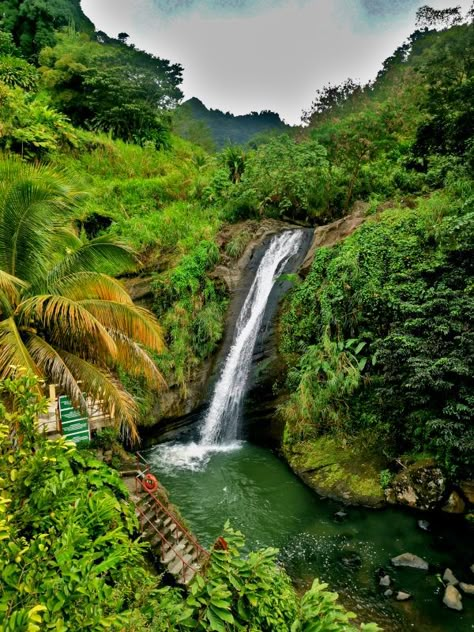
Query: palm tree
{"x": 61, "y": 315}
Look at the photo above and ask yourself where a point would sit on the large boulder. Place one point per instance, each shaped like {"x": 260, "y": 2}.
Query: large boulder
{"x": 334, "y": 470}
{"x": 467, "y": 588}
{"x": 420, "y": 486}
{"x": 467, "y": 488}
{"x": 410, "y": 560}
{"x": 455, "y": 504}
{"x": 449, "y": 577}
{"x": 452, "y": 598}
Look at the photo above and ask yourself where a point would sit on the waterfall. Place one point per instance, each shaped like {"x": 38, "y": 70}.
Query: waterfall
{"x": 221, "y": 423}
{"x": 219, "y": 430}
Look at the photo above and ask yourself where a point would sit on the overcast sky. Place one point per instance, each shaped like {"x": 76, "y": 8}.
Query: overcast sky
{"x": 251, "y": 55}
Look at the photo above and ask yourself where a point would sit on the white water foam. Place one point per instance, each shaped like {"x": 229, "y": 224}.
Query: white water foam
{"x": 220, "y": 427}
{"x": 193, "y": 456}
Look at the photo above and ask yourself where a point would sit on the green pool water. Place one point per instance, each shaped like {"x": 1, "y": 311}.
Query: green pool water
{"x": 253, "y": 489}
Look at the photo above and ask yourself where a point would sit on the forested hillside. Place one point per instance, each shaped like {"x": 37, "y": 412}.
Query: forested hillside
{"x": 197, "y": 123}
{"x": 378, "y": 338}
{"x": 99, "y": 188}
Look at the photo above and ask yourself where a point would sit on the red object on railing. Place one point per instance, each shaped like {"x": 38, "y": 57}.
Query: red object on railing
{"x": 140, "y": 485}
{"x": 150, "y": 483}
{"x": 221, "y": 544}
{"x": 183, "y": 530}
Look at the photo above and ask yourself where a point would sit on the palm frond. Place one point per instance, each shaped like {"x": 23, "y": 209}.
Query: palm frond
{"x": 34, "y": 202}
{"x": 98, "y": 255}
{"x": 136, "y": 361}
{"x": 6, "y": 305}
{"x": 91, "y": 285}
{"x": 54, "y": 367}
{"x": 107, "y": 393}
{"x": 134, "y": 322}
{"x": 11, "y": 287}
{"x": 69, "y": 323}
{"x": 13, "y": 353}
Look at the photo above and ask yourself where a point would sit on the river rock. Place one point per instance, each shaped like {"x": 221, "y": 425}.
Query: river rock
{"x": 467, "y": 488}
{"x": 467, "y": 588}
{"x": 402, "y": 596}
{"x": 472, "y": 567}
{"x": 452, "y": 598}
{"x": 388, "y": 592}
{"x": 385, "y": 580}
{"x": 455, "y": 504}
{"x": 424, "y": 525}
{"x": 351, "y": 559}
{"x": 421, "y": 486}
{"x": 449, "y": 577}
{"x": 410, "y": 560}
{"x": 340, "y": 515}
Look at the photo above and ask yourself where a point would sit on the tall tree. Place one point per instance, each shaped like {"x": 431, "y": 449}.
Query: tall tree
{"x": 111, "y": 86}
{"x": 33, "y": 22}
{"x": 61, "y": 316}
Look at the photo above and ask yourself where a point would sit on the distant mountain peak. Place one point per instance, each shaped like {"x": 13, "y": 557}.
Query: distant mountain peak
{"x": 227, "y": 128}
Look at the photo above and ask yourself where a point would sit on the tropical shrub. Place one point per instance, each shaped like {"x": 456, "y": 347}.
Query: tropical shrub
{"x": 254, "y": 593}
{"x": 191, "y": 308}
{"x": 286, "y": 178}
{"x": 67, "y": 532}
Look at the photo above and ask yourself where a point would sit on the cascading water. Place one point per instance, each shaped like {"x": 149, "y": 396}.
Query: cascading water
{"x": 221, "y": 422}
{"x": 219, "y": 430}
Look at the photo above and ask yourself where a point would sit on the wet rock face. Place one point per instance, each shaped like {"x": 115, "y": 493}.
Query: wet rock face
{"x": 420, "y": 486}
{"x": 334, "y": 233}
{"x": 455, "y": 504}
{"x": 467, "y": 488}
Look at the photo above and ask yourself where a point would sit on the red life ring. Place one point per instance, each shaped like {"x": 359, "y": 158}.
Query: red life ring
{"x": 150, "y": 483}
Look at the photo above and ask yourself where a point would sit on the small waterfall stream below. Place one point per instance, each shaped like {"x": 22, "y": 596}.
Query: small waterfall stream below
{"x": 219, "y": 477}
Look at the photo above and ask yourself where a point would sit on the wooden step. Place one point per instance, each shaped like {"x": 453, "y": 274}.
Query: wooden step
{"x": 176, "y": 568}
{"x": 169, "y": 557}
{"x": 187, "y": 576}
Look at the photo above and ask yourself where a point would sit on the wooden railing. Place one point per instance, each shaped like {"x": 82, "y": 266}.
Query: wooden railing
{"x": 143, "y": 468}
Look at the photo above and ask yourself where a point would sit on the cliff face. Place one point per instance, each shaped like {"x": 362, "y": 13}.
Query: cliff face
{"x": 177, "y": 409}
{"x": 263, "y": 425}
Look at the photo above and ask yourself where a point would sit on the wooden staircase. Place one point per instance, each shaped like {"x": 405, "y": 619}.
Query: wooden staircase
{"x": 176, "y": 548}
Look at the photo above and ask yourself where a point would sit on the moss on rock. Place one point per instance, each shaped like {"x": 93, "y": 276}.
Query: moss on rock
{"x": 347, "y": 473}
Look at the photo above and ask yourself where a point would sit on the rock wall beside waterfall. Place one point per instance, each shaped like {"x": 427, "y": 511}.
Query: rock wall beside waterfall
{"x": 262, "y": 425}
{"x": 176, "y": 409}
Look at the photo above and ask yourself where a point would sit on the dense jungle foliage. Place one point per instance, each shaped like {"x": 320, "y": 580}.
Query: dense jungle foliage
{"x": 377, "y": 339}
{"x": 72, "y": 558}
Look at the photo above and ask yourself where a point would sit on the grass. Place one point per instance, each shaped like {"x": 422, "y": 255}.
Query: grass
{"x": 150, "y": 196}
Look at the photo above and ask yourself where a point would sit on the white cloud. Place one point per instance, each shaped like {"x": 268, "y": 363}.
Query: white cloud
{"x": 272, "y": 57}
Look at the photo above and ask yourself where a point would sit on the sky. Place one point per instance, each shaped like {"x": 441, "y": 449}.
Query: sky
{"x": 252, "y": 55}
